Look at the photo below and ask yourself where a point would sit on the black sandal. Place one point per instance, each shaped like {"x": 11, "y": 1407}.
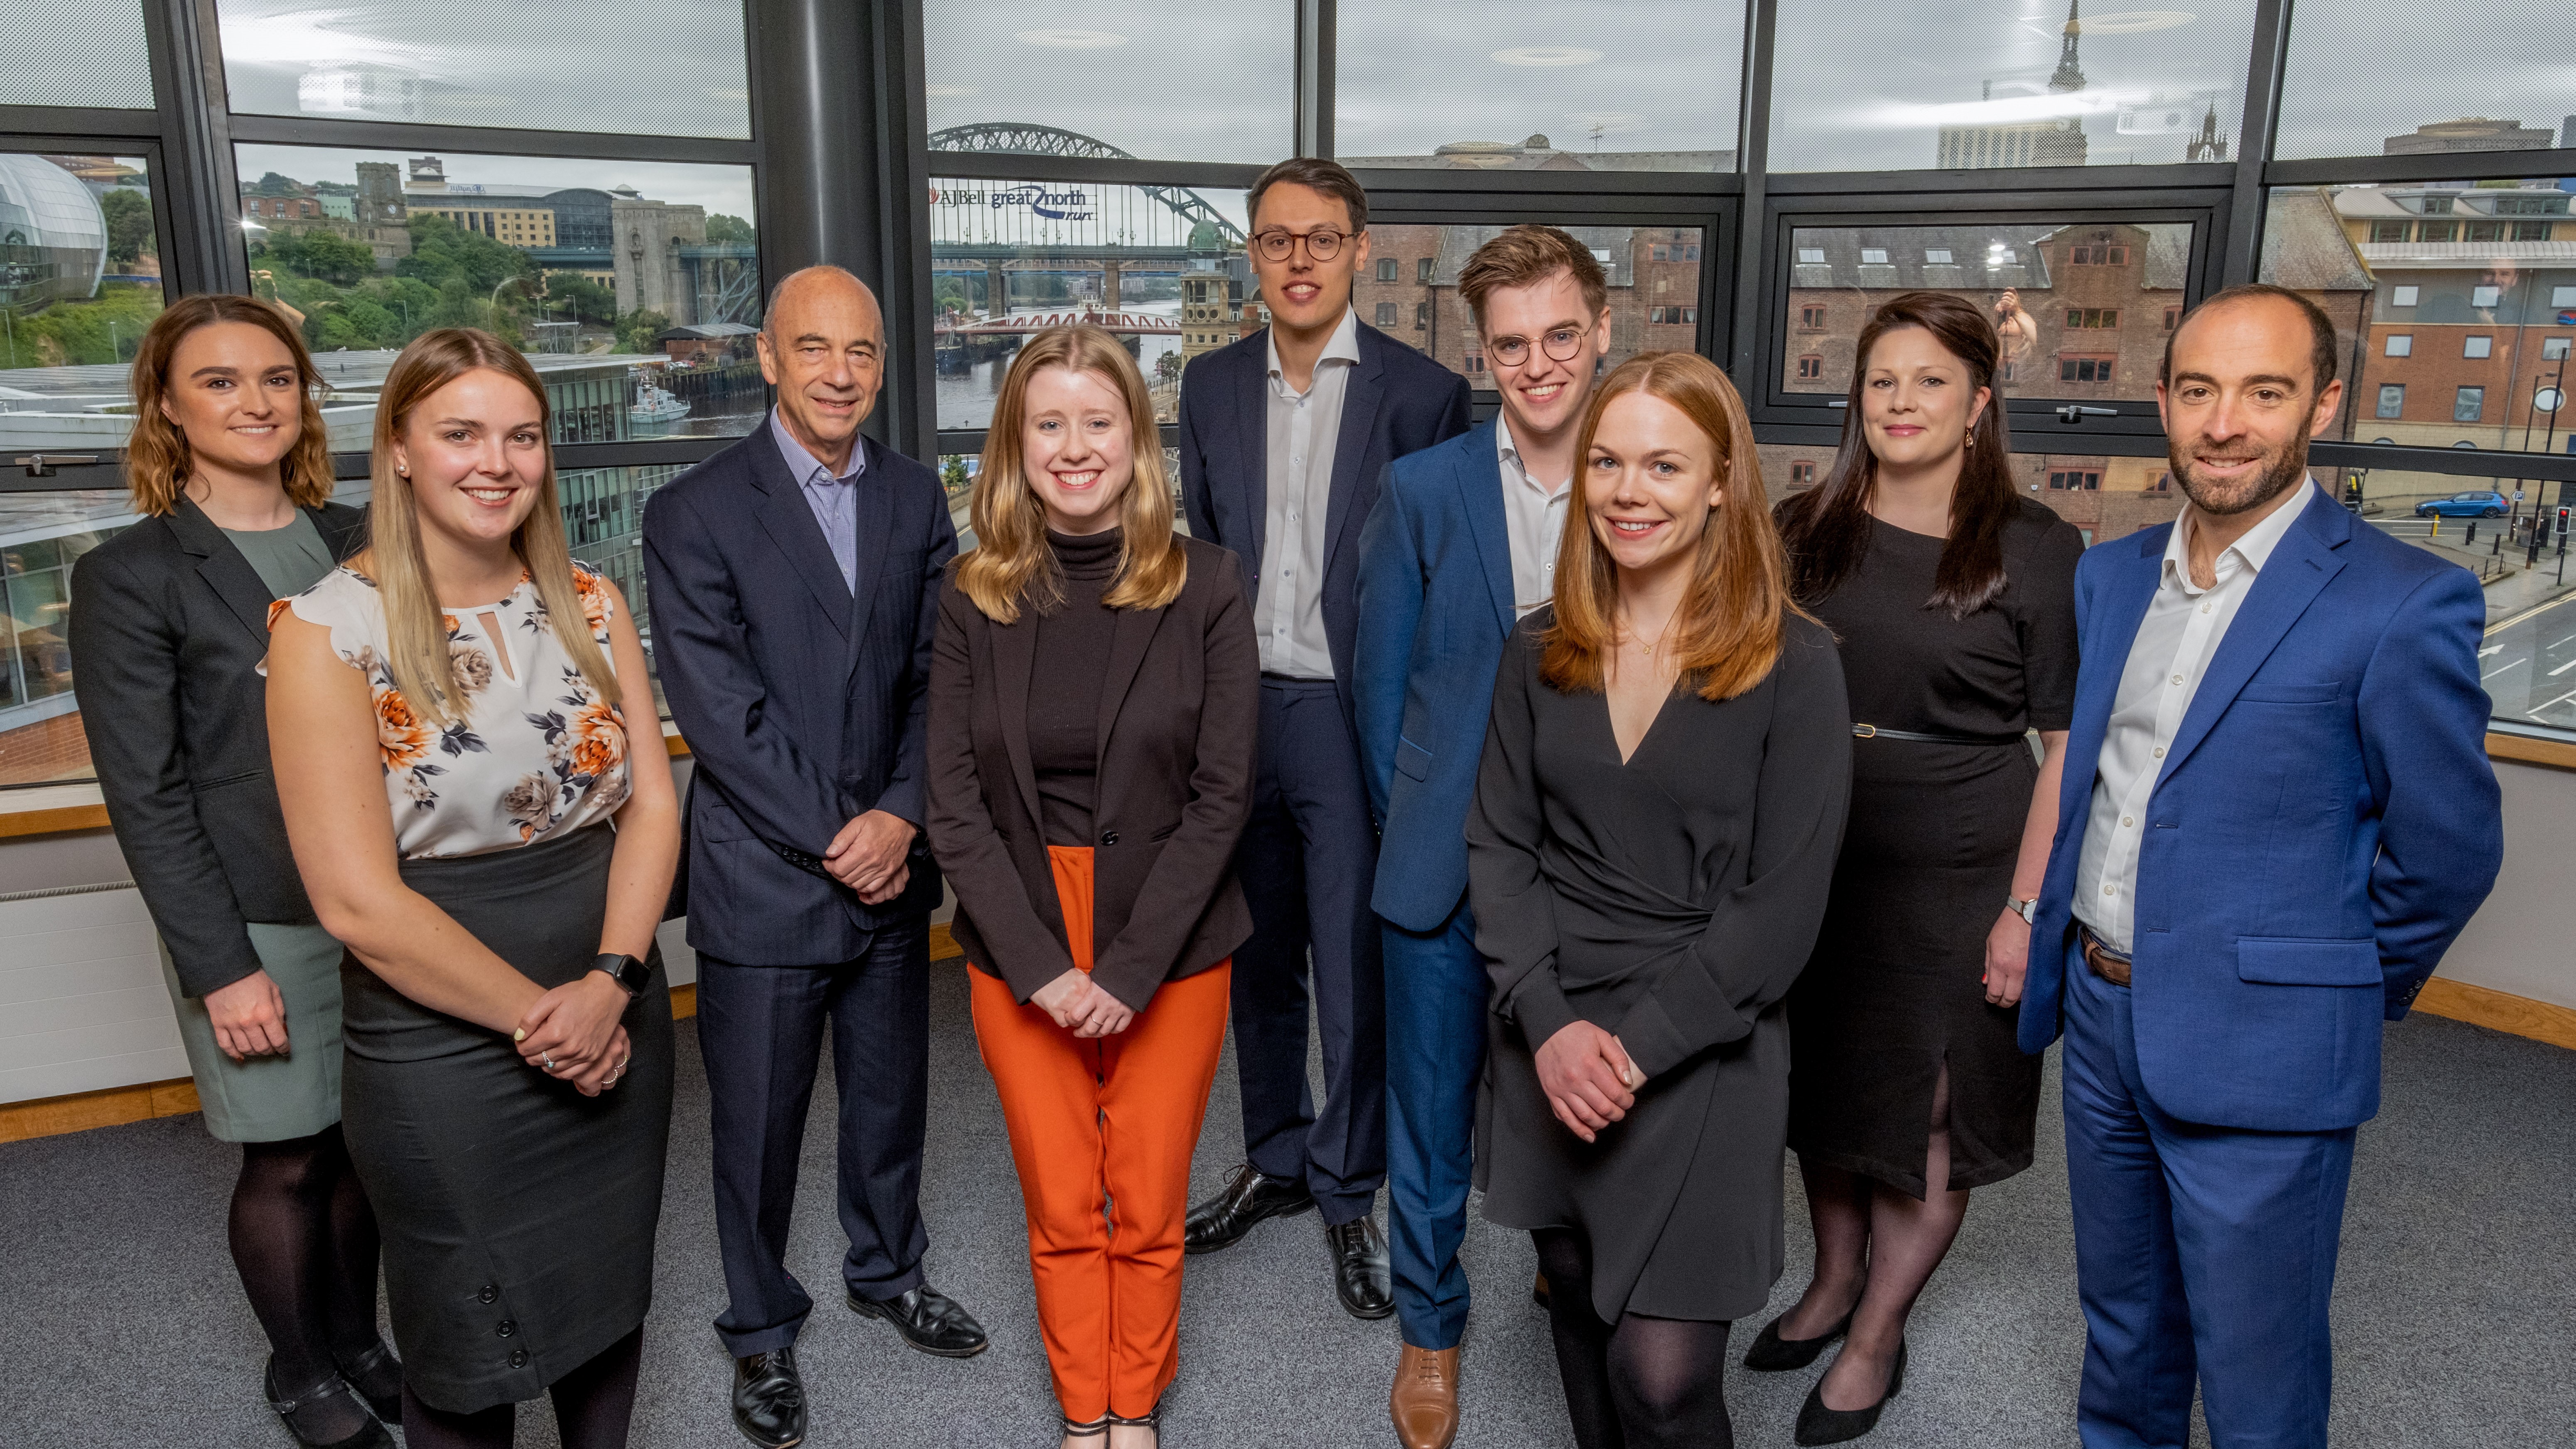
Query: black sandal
{"x": 369, "y": 1435}
{"x": 377, "y": 1360}
{"x": 1153, "y": 1420}
{"x": 1096, "y": 1429}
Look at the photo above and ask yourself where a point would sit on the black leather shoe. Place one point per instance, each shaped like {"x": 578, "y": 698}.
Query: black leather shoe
{"x": 1246, "y": 1200}
{"x": 769, "y": 1398}
{"x": 305, "y": 1416}
{"x": 1360, "y": 1274}
{"x": 929, "y": 1320}
{"x": 1820, "y": 1425}
{"x": 377, "y": 1376}
{"x": 1771, "y": 1354}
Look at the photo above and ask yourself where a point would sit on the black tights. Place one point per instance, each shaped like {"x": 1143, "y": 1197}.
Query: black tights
{"x": 304, "y": 1241}
{"x": 593, "y": 1405}
{"x": 1649, "y": 1383}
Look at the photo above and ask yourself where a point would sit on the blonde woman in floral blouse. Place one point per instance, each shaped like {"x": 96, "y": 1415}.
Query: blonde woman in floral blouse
{"x": 450, "y": 716}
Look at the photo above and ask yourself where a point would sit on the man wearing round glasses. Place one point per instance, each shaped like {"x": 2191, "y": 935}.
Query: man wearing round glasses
{"x": 1462, "y": 543}
{"x": 1284, "y": 437}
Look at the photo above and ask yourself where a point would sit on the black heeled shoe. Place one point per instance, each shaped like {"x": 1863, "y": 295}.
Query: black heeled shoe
{"x": 368, "y": 1435}
{"x": 376, "y": 1363}
{"x": 1820, "y": 1425}
{"x": 1096, "y": 1429}
{"x": 1771, "y": 1354}
{"x": 1153, "y": 1420}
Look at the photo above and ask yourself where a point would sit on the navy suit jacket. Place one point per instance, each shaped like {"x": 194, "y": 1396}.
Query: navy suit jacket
{"x": 2324, "y": 825}
{"x": 1397, "y": 401}
{"x": 803, "y": 701}
{"x": 1435, "y": 595}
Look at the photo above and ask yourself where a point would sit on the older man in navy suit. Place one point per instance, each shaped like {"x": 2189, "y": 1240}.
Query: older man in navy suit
{"x": 1462, "y": 543}
{"x": 795, "y": 580}
{"x": 2277, "y": 816}
{"x": 1283, "y": 437}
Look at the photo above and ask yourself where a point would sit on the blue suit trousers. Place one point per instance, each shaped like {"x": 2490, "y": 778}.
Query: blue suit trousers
{"x": 1435, "y": 1054}
{"x": 2201, "y": 1252}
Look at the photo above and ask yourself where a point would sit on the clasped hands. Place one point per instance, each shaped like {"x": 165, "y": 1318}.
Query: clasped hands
{"x": 572, "y": 1033}
{"x": 1589, "y": 1078}
{"x": 1080, "y": 1006}
{"x": 870, "y": 856}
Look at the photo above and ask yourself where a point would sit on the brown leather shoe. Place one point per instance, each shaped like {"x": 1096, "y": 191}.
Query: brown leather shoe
{"x": 1424, "y": 1402}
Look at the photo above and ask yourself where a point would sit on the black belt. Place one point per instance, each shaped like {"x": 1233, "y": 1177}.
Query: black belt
{"x": 1271, "y": 677}
{"x": 1881, "y": 732}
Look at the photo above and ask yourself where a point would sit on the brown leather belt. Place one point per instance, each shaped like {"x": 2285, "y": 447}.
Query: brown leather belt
{"x": 2104, "y": 962}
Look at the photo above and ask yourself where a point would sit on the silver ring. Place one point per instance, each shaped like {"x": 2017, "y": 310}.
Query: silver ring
{"x": 548, "y": 1060}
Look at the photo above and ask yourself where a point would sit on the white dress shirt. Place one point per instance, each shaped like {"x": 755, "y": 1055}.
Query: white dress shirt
{"x": 1288, "y": 610}
{"x": 2176, "y": 640}
{"x": 1534, "y": 518}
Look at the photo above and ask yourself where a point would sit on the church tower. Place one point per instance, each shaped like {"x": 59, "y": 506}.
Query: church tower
{"x": 2211, "y": 143}
{"x": 2070, "y": 71}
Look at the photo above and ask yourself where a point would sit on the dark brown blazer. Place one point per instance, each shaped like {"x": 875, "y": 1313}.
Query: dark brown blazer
{"x": 1178, "y": 702}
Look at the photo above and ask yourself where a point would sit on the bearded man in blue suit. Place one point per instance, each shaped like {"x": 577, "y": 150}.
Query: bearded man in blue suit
{"x": 2277, "y": 816}
{"x": 1462, "y": 542}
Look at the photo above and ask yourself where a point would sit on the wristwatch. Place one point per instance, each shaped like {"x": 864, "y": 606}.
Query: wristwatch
{"x": 2028, "y": 910}
{"x": 625, "y": 970}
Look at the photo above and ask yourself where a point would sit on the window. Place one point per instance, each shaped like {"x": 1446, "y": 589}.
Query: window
{"x": 2403, "y": 296}
{"x": 2400, "y": 344}
{"x": 2531, "y": 231}
{"x": 1672, "y": 314}
{"x": 1421, "y": 316}
{"x": 1810, "y": 256}
{"x": 2437, "y": 231}
{"x": 1162, "y": 79}
{"x": 2477, "y": 347}
{"x": 1982, "y": 88}
{"x": 80, "y": 280}
{"x": 1802, "y": 474}
{"x": 1873, "y": 256}
{"x": 76, "y": 53}
{"x": 2484, "y": 297}
{"x": 1810, "y": 367}
{"x": 2323, "y": 113}
{"x": 2173, "y": 318}
{"x": 2392, "y": 400}
{"x": 2388, "y": 231}
{"x": 2562, "y": 296}
{"x": 1641, "y": 294}
{"x": 2077, "y": 480}
{"x": 2098, "y": 256}
{"x": 391, "y": 60}
{"x": 1387, "y": 269}
{"x": 2486, "y": 231}
{"x": 2436, "y": 205}
{"x": 1386, "y": 314}
{"x": 1422, "y": 270}
{"x": 1811, "y": 319}
{"x": 2470, "y": 406}
{"x": 1476, "y": 364}
{"x": 2554, "y": 349}
{"x": 1660, "y": 253}
{"x": 2084, "y": 369}
{"x": 2531, "y": 206}
{"x": 1456, "y": 85}
{"x": 1936, "y": 256}
{"x": 2092, "y": 317}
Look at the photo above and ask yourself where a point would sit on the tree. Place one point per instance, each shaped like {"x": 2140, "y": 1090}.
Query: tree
{"x": 952, "y": 474}
{"x": 273, "y": 184}
{"x": 581, "y": 298}
{"x": 129, "y": 225}
{"x": 1167, "y": 368}
{"x": 442, "y": 252}
{"x": 731, "y": 231}
{"x": 636, "y": 330}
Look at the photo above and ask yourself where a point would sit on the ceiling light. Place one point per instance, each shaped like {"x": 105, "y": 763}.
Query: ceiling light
{"x": 1547, "y": 55}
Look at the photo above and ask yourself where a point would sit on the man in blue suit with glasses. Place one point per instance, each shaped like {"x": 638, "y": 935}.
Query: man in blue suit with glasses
{"x": 2277, "y": 816}
{"x": 1462, "y": 542}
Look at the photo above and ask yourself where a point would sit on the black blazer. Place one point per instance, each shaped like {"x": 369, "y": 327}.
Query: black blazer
{"x": 1397, "y": 401}
{"x": 1180, "y": 695}
{"x": 801, "y": 700}
{"x": 169, "y": 625}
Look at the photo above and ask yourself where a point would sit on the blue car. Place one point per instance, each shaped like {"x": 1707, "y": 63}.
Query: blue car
{"x": 2464, "y": 505}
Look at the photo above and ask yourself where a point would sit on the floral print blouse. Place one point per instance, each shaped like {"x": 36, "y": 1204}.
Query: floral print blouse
{"x": 537, "y": 757}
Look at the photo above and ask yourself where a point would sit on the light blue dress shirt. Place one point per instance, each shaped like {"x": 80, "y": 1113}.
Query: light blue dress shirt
{"x": 835, "y": 501}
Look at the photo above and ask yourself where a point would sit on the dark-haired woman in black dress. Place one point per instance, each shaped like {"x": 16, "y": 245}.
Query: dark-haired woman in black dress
{"x": 1953, "y": 600}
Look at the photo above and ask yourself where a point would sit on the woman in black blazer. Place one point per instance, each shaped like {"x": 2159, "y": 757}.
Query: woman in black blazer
{"x": 231, "y": 468}
{"x": 1092, "y": 699}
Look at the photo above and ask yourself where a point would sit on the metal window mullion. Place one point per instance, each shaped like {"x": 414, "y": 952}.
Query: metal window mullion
{"x": 1750, "y": 344}
{"x": 2242, "y": 246}
{"x": 1313, "y": 102}
{"x": 903, "y": 225}
{"x": 203, "y": 204}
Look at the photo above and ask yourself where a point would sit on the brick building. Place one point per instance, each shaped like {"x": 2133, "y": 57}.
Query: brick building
{"x": 1409, "y": 289}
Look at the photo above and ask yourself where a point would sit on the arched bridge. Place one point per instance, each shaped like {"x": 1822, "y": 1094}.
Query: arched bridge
{"x": 1124, "y": 324}
{"x": 1024, "y": 138}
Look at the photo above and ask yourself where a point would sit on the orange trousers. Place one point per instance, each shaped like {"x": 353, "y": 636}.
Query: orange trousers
{"x": 1101, "y": 1131}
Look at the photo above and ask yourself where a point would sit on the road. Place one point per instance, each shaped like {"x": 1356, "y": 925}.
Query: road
{"x": 2528, "y": 658}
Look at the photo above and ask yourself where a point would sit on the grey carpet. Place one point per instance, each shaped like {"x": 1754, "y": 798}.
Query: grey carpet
{"x": 123, "y": 1325}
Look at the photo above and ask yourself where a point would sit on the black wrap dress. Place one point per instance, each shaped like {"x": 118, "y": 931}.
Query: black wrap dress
{"x": 1897, "y": 984}
{"x": 1670, "y": 900}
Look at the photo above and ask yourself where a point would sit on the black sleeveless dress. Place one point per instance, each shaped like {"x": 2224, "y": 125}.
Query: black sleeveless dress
{"x": 1896, "y": 983}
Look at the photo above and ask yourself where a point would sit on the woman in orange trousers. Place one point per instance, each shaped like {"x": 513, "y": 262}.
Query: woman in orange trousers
{"x": 1092, "y": 697}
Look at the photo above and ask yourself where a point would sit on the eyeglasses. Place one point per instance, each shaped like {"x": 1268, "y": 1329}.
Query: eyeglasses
{"x": 1322, "y": 244}
{"x": 1562, "y": 344}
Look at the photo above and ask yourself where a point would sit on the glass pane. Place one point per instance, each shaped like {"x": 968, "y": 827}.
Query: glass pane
{"x": 2106, "y": 497}
{"x": 1162, "y": 266}
{"x": 1654, "y": 290}
{"x": 1596, "y": 85}
{"x": 1155, "y": 78}
{"x": 42, "y": 536}
{"x": 2529, "y": 647}
{"x": 2083, "y": 307}
{"x": 2007, "y": 83}
{"x": 75, "y": 53}
{"x": 80, "y": 280}
{"x": 491, "y": 63}
{"x": 2460, "y": 90}
{"x": 638, "y": 302}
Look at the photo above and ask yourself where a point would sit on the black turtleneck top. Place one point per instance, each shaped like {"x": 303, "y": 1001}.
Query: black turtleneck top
{"x": 1064, "y": 690}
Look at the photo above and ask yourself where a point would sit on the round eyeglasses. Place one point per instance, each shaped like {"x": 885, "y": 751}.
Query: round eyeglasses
{"x": 1563, "y": 344}
{"x": 1322, "y": 244}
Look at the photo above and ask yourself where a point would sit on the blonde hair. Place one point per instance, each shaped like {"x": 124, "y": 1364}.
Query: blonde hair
{"x": 1726, "y": 634}
{"x": 1011, "y": 564}
{"x": 416, "y": 636}
{"x": 156, "y": 454}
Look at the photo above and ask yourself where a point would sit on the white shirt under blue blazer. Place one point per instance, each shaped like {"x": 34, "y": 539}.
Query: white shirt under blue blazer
{"x": 2322, "y": 822}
